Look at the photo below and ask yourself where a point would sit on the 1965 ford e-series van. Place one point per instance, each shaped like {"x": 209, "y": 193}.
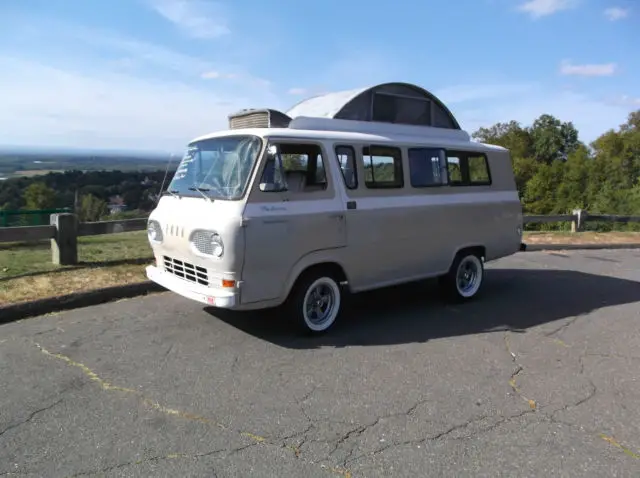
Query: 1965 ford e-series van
{"x": 346, "y": 192}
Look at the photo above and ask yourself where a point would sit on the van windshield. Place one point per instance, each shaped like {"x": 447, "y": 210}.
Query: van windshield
{"x": 218, "y": 167}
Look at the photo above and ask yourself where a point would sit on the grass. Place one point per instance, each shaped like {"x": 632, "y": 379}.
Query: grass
{"x": 26, "y": 272}
{"x": 581, "y": 237}
{"x": 35, "y": 172}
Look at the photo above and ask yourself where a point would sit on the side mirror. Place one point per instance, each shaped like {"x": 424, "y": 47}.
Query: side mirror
{"x": 271, "y": 188}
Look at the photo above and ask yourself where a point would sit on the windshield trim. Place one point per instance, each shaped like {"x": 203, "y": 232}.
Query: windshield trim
{"x": 186, "y": 193}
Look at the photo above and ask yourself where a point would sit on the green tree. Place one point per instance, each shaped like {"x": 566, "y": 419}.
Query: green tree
{"x": 553, "y": 139}
{"x": 91, "y": 208}
{"x": 509, "y": 135}
{"x": 39, "y": 196}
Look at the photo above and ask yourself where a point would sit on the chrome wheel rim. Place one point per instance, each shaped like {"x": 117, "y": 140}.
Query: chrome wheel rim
{"x": 321, "y": 304}
{"x": 469, "y": 276}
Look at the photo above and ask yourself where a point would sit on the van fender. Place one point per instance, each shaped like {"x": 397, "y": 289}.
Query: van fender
{"x": 314, "y": 258}
{"x": 473, "y": 245}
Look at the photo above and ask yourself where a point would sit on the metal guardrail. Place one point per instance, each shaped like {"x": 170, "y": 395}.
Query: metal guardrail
{"x": 36, "y": 217}
{"x": 65, "y": 230}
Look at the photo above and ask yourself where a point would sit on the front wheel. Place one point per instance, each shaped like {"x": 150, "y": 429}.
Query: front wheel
{"x": 316, "y": 302}
{"x": 464, "y": 279}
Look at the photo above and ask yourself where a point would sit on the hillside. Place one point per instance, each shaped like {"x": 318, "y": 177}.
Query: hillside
{"x": 17, "y": 163}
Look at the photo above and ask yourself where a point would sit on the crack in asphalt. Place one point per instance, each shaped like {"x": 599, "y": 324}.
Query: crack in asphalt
{"x": 620, "y": 356}
{"x": 154, "y": 459}
{"x": 443, "y": 435}
{"x": 590, "y": 395}
{"x": 257, "y": 439}
{"x": 563, "y": 327}
{"x": 351, "y": 436}
{"x": 519, "y": 368}
{"x": 615, "y": 443}
{"x": 30, "y": 417}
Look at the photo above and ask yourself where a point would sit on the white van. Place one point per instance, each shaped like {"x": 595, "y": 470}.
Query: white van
{"x": 346, "y": 192}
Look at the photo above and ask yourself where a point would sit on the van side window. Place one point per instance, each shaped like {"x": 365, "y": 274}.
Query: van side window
{"x": 466, "y": 168}
{"x": 478, "y": 169}
{"x": 346, "y": 156}
{"x": 302, "y": 170}
{"x": 454, "y": 170}
{"x": 425, "y": 167}
{"x": 382, "y": 167}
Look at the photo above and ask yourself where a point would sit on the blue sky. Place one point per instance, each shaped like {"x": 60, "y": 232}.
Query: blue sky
{"x": 153, "y": 74}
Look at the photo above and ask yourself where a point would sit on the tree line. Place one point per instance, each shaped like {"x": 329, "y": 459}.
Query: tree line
{"x": 87, "y": 193}
{"x": 555, "y": 173}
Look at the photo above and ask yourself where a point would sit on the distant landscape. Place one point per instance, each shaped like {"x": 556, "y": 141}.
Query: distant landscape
{"x": 95, "y": 185}
{"x": 31, "y": 163}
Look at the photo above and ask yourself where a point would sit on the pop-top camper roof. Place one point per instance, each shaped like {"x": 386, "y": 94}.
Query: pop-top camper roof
{"x": 391, "y": 103}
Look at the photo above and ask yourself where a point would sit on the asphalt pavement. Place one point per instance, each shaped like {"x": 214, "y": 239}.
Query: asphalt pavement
{"x": 540, "y": 376}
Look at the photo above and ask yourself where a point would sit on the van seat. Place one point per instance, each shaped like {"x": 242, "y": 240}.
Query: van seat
{"x": 296, "y": 181}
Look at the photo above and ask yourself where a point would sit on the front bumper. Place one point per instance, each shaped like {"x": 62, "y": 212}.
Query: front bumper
{"x": 224, "y": 299}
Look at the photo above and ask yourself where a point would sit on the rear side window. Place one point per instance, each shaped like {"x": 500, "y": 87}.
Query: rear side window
{"x": 466, "y": 168}
{"x": 479, "y": 169}
{"x": 424, "y": 167}
{"x": 382, "y": 167}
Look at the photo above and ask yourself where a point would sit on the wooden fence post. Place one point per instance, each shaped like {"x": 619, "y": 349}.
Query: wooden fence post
{"x": 578, "y": 221}
{"x": 64, "y": 245}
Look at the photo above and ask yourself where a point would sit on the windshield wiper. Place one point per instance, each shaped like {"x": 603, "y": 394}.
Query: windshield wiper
{"x": 202, "y": 191}
{"x": 173, "y": 192}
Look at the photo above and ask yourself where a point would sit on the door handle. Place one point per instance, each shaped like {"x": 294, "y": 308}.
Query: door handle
{"x": 337, "y": 216}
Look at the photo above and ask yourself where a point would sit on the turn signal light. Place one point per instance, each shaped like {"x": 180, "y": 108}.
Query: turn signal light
{"x": 228, "y": 283}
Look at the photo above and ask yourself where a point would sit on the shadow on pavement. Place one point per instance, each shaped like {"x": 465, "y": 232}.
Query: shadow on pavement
{"x": 512, "y": 299}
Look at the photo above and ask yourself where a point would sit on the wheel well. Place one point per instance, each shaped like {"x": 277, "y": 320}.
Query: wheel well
{"x": 332, "y": 268}
{"x": 478, "y": 250}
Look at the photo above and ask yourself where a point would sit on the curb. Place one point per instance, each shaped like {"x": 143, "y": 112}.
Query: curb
{"x": 575, "y": 247}
{"x": 12, "y": 313}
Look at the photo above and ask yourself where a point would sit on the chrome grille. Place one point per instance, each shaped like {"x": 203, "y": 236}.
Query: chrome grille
{"x": 202, "y": 242}
{"x": 184, "y": 270}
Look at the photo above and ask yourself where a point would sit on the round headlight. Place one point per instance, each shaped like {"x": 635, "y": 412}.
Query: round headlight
{"x": 217, "y": 245}
{"x": 154, "y": 232}
{"x": 151, "y": 232}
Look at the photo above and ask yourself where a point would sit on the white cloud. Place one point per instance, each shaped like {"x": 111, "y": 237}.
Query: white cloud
{"x": 297, "y": 91}
{"x": 541, "y": 8}
{"x": 48, "y": 106}
{"x": 616, "y": 13}
{"x": 88, "y": 44}
{"x": 196, "y": 18}
{"x": 626, "y": 100}
{"x": 603, "y": 69}
{"x": 216, "y": 75}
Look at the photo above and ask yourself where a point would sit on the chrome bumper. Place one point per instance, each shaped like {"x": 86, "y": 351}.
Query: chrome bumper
{"x": 224, "y": 299}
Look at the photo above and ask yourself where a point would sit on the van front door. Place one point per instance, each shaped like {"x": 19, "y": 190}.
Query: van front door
{"x": 293, "y": 210}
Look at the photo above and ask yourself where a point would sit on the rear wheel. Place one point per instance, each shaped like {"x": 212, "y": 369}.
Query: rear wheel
{"x": 315, "y": 302}
{"x": 465, "y": 277}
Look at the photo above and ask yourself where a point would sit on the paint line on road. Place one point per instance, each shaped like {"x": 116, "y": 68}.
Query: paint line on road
{"x": 106, "y": 386}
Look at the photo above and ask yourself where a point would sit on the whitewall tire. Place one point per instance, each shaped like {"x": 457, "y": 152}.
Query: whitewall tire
{"x": 465, "y": 278}
{"x": 316, "y": 302}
